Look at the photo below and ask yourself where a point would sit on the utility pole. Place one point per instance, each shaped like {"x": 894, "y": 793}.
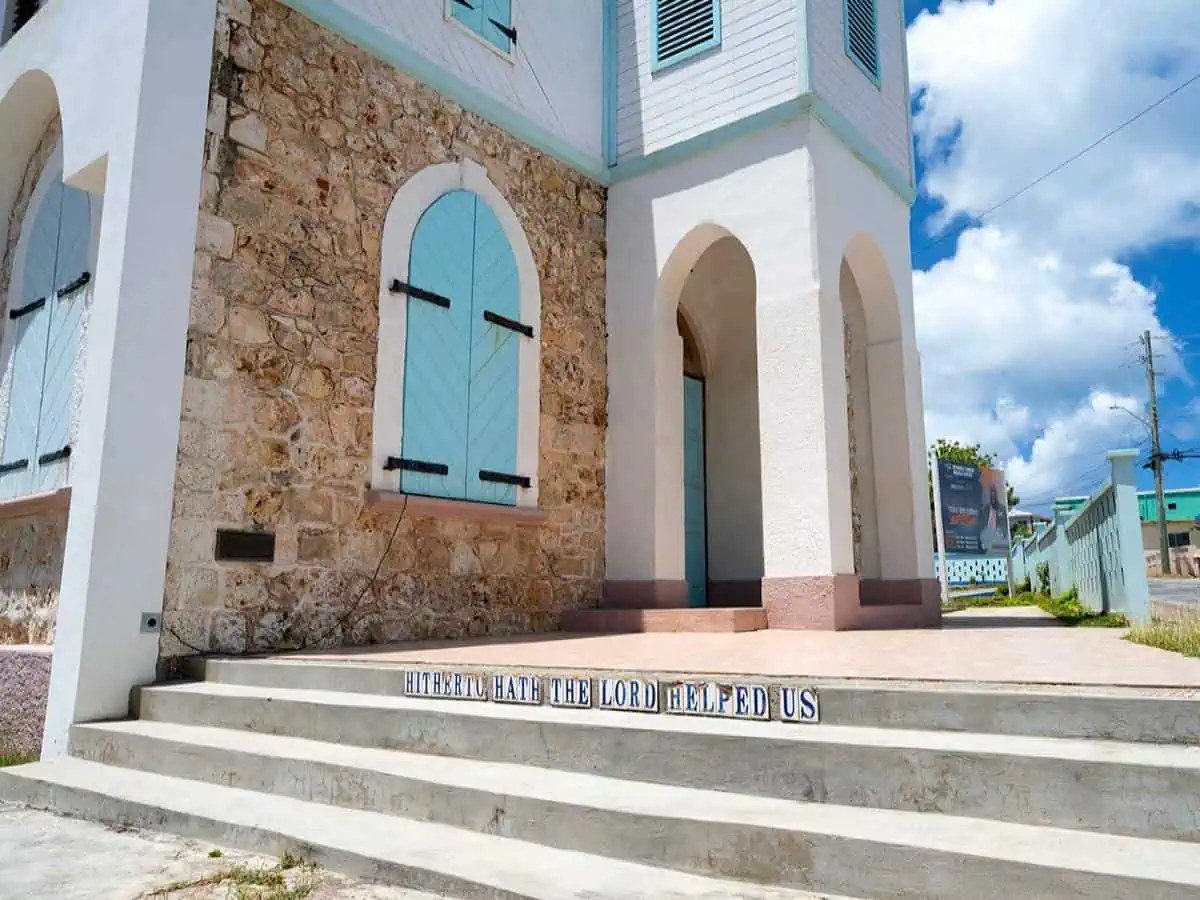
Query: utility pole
{"x": 1156, "y": 457}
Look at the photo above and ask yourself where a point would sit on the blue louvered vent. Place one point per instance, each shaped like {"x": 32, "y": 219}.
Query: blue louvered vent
{"x": 862, "y": 35}
{"x": 683, "y": 28}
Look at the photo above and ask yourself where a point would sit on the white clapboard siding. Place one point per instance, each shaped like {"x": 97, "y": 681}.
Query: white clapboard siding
{"x": 553, "y": 78}
{"x": 880, "y": 114}
{"x": 755, "y": 67}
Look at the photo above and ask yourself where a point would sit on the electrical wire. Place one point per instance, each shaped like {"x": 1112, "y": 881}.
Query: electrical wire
{"x": 975, "y": 220}
{"x": 340, "y": 622}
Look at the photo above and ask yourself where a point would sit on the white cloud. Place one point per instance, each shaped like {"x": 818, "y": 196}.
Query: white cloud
{"x": 1028, "y": 332}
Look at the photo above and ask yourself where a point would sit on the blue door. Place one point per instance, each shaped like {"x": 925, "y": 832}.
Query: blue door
{"x": 694, "y": 500}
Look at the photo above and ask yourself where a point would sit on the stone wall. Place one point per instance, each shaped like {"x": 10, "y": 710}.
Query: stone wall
{"x": 31, "y": 549}
{"x": 309, "y": 139}
{"x": 24, "y": 687}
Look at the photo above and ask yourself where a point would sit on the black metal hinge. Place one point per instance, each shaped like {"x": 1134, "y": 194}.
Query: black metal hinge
{"x": 510, "y": 33}
{"x": 504, "y": 478}
{"x": 19, "y": 466}
{"x": 80, "y": 282}
{"x": 510, "y": 324}
{"x": 415, "y": 465}
{"x": 27, "y": 308}
{"x": 47, "y": 458}
{"x": 465, "y": 3}
{"x": 399, "y": 287}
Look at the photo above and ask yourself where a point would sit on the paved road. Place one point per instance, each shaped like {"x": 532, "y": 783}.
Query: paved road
{"x": 1176, "y": 590}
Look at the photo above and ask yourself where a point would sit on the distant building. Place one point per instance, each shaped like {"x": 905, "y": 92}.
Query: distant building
{"x": 1183, "y": 509}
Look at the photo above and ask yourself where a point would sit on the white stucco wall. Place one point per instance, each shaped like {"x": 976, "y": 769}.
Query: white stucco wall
{"x": 863, "y": 221}
{"x": 133, "y": 131}
{"x": 879, "y": 114}
{"x": 756, "y": 67}
{"x": 760, "y": 190}
{"x": 554, "y": 76}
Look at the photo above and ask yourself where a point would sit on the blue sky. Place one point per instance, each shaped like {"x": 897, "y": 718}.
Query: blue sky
{"x": 1028, "y": 321}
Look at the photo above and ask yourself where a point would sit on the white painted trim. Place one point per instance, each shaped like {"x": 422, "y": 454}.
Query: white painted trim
{"x": 417, "y": 195}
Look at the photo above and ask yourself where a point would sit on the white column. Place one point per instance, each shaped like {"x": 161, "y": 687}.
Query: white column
{"x": 804, "y": 435}
{"x": 123, "y": 473}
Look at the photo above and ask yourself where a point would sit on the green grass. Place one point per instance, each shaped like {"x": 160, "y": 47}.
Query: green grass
{"x": 15, "y": 759}
{"x": 1066, "y": 608}
{"x": 1181, "y": 636}
{"x": 253, "y": 883}
{"x": 991, "y": 601}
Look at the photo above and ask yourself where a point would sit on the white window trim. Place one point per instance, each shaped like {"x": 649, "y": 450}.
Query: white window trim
{"x": 410, "y": 203}
{"x": 510, "y": 56}
{"x": 51, "y": 171}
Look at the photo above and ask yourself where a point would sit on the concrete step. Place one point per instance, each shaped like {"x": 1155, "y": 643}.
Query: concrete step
{"x": 1164, "y": 716}
{"x": 1086, "y": 785}
{"x": 864, "y": 853}
{"x": 444, "y": 861}
{"x": 626, "y": 621}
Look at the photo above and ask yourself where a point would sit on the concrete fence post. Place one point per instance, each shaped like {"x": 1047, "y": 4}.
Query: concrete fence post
{"x": 1062, "y": 551}
{"x": 1129, "y": 525}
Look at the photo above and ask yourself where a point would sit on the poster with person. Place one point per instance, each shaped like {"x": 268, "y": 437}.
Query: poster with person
{"x": 974, "y": 509}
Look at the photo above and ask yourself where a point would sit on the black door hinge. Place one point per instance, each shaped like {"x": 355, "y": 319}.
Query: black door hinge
{"x": 19, "y": 465}
{"x": 465, "y": 3}
{"x": 510, "y": 33}
{"x": 399, "y": 287}
{"x": 79, "y": 283}
{"x": 46, "y": 458}
{"x": 415, "y": 465}
{"x": 27, "y": 308}
{"x": 505, "y": 478}
{"x": 510, "y": 324}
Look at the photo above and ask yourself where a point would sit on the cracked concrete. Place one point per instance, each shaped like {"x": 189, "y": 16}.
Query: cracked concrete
{"x": 50, "y": 856}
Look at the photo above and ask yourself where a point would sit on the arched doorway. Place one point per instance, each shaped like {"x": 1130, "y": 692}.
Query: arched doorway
{"x": 722, "y": 485}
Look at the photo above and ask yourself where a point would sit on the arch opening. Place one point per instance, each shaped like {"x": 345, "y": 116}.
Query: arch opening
{"x": 880, "y": 469}
{"x": 47, "y": 269}
{"x": 716, "y": 320}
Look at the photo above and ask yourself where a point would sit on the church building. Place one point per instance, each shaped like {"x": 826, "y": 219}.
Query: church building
{"x": 344, "y": 322}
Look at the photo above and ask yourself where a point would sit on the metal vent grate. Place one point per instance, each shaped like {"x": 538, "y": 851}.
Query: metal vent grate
{"x": 862, "y": 37}
{"x": 685, "y": 27}
{"x": 245, "y": 546}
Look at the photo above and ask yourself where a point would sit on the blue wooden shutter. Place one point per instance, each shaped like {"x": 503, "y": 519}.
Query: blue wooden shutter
{"x": 469, "y": 13}
{"x": 62, "y": 346}
{"x": 18, "y": 459}
{"x": 437, "y": 348}
{"x": 680, "y": 29}
{"x": 495, "y": 364}
{"x": 862, "y": 37}
{"x": 695, "y": 513}
{"x": 497, "y": 23}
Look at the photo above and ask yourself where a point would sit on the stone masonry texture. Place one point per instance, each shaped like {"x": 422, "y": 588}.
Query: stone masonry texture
{"x": 31, "y": 548}
{"x": 309, "y": 139}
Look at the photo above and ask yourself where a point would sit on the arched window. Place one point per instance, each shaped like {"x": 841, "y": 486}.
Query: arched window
{"x": 457, "y": 396}
{"x": 42, "y": 332}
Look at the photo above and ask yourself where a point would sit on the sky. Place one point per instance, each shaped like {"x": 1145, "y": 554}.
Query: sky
{"x": 1029, "y": 317}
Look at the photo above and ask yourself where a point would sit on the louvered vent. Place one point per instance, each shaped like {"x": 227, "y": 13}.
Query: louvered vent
{"x": 683, "y": 28}
{"x": 23, "y": 11}
{"x": 862, "y": 39}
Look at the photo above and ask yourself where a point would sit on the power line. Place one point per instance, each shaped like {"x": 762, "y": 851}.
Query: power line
{"x": 1062, "y": 165}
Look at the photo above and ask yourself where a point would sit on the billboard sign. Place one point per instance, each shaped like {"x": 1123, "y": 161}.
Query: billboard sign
{"x": 974, "y": 509}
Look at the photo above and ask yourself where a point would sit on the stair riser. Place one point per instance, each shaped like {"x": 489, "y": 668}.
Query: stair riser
{"x": 1025, "y": 790}
{"x": 815, "y": 861}
{"x": 85, "y": 804}
{"x": 1141, "y": 719}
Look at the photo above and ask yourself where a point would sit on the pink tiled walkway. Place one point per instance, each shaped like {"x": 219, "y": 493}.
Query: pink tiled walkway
{"x": 1001, "y": 646}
